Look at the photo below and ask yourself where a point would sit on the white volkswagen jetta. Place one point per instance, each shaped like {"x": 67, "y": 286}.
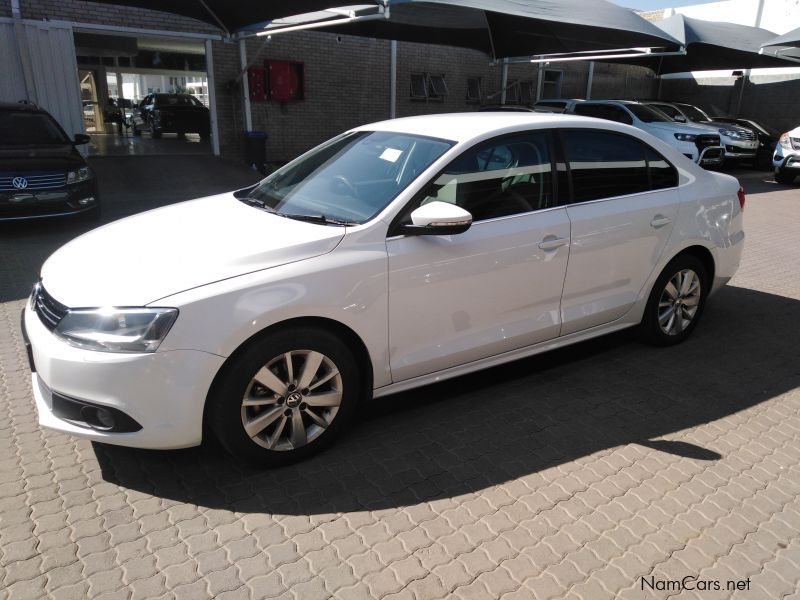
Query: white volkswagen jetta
{"x": 397, "y": 254}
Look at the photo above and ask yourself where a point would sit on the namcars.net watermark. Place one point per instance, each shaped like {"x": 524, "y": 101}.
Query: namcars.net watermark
{"x": 692, "y": 582}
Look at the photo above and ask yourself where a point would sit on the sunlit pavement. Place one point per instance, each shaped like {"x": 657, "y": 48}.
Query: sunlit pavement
{"x": 607, "y": 470}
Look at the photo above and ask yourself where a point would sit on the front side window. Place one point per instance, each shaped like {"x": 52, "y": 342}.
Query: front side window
{"x": 668, "y": 110}
{"x": 604, "y": 164}
{"x": 18, "y": 128}
{"x": 604, "y": 111}
{"x": 508, "y": 176}
{"x": 648, "y": 114}
{"x": 694, "y": 113}
{"x": 349, "y": 179}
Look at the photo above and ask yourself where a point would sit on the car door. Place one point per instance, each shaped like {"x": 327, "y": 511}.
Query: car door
{"x": 623, "y": 206}
{"x": 497, "y": 287}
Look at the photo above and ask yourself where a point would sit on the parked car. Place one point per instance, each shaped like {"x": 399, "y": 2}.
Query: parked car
{"x": 564, "y": 105}
{"x": 42, "y": 174}
{"x": 787, "y": 157}
{"x": 172, "y": 113}
{"x": 693, "y": 141}
{"x": 519, "y": 108}
{"x": 767, "y": 139}
{"x": 395, "y": 255}
{"x": 739, "y": 142}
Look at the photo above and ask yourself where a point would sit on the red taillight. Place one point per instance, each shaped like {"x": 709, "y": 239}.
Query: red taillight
{"x": 740, "y": 193}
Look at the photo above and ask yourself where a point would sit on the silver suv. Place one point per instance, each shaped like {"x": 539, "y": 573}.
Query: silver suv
{"x": 739, "y": 142}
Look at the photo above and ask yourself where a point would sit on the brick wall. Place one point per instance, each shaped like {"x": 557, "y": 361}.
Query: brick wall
{"x": 5, "y": 8}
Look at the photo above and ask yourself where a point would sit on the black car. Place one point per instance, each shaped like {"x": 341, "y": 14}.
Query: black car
{"x": 766, "y": 140}
{"x": 172, "y": 113}
{"x": 41, "y": 172}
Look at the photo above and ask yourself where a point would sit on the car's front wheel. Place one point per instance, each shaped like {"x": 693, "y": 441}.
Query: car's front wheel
{"x": 676, "y": 302}
{"x": 285, "y": 397}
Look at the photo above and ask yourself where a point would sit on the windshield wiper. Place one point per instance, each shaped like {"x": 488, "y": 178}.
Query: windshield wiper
{"x": 257, "y": 203}
{"x": 321, "y": 219}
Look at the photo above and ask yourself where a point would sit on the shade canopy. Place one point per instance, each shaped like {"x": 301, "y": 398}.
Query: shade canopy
{"x": 786, "y": 46}
{"x": 505, "y": 28}
{"x": 500, "y": 28}
{"x": 711, "y": 45}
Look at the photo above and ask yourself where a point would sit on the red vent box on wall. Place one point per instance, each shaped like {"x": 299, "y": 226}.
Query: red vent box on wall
{"x": 286, "y": 80}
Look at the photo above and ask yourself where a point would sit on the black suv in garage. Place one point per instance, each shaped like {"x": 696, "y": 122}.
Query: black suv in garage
{"x": 41, "y": 172}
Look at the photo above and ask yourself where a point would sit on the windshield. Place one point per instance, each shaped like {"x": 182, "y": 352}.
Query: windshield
{"x": 177, "y": 100}
{"x": 693, "y": 113}
{"x": 351, "y": 178}
{"x": 19, "y": 128}
{"x": 648, "y": 114}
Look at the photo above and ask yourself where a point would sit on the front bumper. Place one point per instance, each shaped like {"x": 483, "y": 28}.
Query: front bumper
{"x": 72, "y": 199}
{"x": 163, "y": 392}
{"x": 787, "y": 163}
{"x": 711, "y": 156}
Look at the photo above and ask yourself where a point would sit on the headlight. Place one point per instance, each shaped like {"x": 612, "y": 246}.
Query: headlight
{"x": 81, "y": 174}
{"x": 685, "y": 137}
{"x": 785, "y": 141}
{"x": 731, "y": 133}
{"x": 117, "y": 329}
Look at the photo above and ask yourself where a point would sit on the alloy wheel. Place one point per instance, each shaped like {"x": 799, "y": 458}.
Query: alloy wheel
{"x": 679, "y": 302}
{"x": 292, "y": 400}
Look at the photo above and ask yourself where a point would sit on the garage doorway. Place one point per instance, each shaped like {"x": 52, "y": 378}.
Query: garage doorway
{"x": 144, "y": 96}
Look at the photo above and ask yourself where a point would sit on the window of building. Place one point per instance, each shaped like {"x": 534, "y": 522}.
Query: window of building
{"x": 474, "y": 90}
{"x": 428, "y": 86}
{"x": 551, "y": 83}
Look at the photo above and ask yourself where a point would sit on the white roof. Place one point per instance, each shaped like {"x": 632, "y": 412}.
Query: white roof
{"x": 461, "y": 127}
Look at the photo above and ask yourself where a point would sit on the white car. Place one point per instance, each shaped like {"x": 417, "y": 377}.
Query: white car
{"x": 395, "y": 255}
{"x": 739, "y": 142}
{"x": 786, "y": 159}
{"x": 693, "y": 141}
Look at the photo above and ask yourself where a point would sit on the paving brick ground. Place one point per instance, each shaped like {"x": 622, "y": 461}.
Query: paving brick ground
{"x": 570, "y": 475}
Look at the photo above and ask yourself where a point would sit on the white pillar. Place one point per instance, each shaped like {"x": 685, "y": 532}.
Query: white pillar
{"x": 212, "y": 99}
{"x": 590, "y": 80}
{"x": 393, "y": 80}
{"x": 248, "y": 115}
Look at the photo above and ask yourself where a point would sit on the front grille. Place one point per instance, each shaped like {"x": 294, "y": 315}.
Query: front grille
{"x": 32, "y": 181}
{"x": 50, "y": 310}
{"x": 748, "y": 135}
{"x": 704, "y": 141}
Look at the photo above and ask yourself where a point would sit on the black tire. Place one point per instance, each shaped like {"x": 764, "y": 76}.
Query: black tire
{"x": 226, "y": 413}
{"x": 136, "y": 130}
{"x": 784, "y": 178}
{"x": 156, "y": 133}
{"x": 650, "y": 329}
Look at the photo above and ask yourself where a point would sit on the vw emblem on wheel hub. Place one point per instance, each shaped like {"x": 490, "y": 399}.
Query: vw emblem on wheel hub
{"x": 294, "y": 399}
{"x": 19, "y": 183}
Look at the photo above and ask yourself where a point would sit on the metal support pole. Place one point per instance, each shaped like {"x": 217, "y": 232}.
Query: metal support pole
{"x": 15, "y": 10}
{"x": 212, "y": 99}
{"x": 248, "y": 115}
{"x": 393, "y": 80}
{"x": 590, "y": 80}
{"x": 504, "y": 81}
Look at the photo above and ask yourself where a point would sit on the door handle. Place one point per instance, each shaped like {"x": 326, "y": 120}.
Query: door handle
{"x": 660, "y": 221}
{"x": 552, "y": 243}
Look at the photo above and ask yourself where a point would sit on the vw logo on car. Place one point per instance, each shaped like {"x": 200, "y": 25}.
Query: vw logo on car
{"x": 19, "y": 183}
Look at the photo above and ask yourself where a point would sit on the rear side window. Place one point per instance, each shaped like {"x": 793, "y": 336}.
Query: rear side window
{"x": 605, "y": 164}
{"x": 662, "y": 174}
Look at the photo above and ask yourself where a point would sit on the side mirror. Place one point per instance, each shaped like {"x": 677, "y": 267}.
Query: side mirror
{"x": 81, "y": 138}
{"x": 438, "y": 218}
{"x": 680, "y": 118}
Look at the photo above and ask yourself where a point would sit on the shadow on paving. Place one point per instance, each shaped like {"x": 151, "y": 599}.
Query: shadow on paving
{"x": 487, "y": 428}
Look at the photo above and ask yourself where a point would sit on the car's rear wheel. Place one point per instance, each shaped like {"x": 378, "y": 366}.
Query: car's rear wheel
{"x": 285, "y": 397}
{"x": 676, "y": 302}
{"x": 784, "y": 177}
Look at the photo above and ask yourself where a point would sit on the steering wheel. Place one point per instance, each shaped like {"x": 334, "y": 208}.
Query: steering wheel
{"x": 341, "y": 183}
